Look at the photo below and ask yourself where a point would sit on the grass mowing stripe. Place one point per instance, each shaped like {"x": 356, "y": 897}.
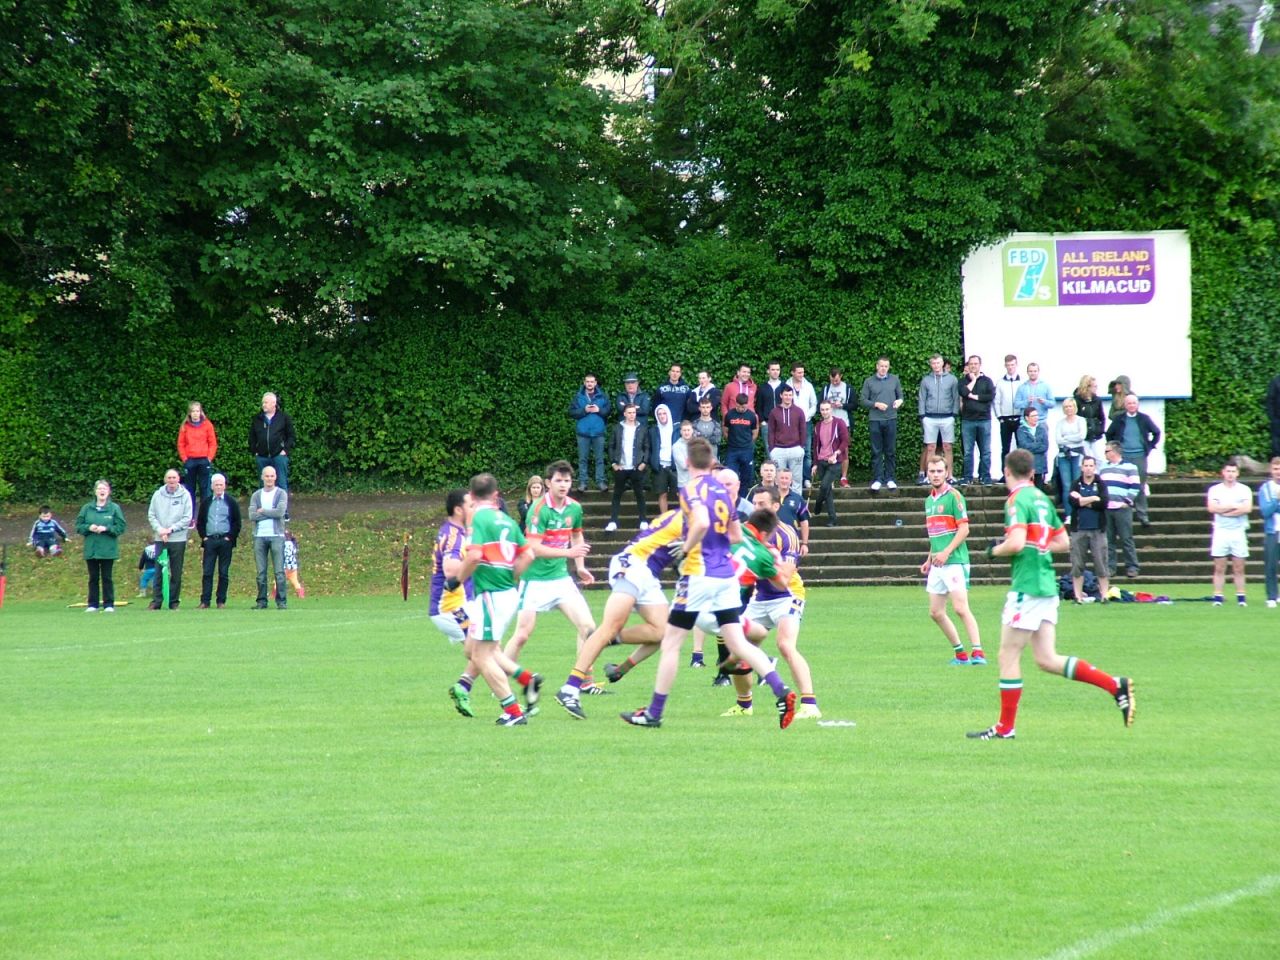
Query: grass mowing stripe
{"x": 309, "y": 791}
{"x": 1161, "y": 918}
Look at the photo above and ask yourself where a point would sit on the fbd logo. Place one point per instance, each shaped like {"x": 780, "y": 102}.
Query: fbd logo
{"x": 1030, "y": 279}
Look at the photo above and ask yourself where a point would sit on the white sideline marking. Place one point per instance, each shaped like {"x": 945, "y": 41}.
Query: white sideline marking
{"x": 1099, "y": 942}
{"x": 166, "y": 639}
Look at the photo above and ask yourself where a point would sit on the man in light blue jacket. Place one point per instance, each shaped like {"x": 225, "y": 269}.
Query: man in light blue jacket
{"x": 267, "y": 508}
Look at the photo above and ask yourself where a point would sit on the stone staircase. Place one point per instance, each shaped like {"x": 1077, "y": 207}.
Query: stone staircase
{"x": 880, "y": 537}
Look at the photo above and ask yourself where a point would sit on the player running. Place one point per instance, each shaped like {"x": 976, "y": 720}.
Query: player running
{"x": 634, "y": 585}
{"x": 496, "y": 556}
{"x": 1032, "y": 532}
{"x": 707, "y": 583}
{"x": 946, "y": 520}
{"x": 554, "y": 533}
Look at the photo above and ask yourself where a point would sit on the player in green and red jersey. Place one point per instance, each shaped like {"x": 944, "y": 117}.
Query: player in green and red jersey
{"x": 554, "y": 533}
{"x": 496, "y": 556}
{"x": 946, "y": 518}
{"x": 1033, "y": 532}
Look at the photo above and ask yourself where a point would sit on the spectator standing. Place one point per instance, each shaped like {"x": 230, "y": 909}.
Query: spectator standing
{"x": 705, "y": 390}
{"x": 977, "y": 393}
{"x": 837, "y": 393}
{"x": 1033, "y": 436}
{"x": 673, "y": 393}
{"x": 741, "y": 383}
{"x": 1088, "y": 496}
{"x": 1229, "y": 503}
{"x": 1269, "y": 507}
{"x": 170, "y": 514}
{"x": 787, "y": 432}
{"x": 1137, "y": 435}
{"x": 588, "y": 410}
{"x": 1089, "y": 406}
{"x": 1119, "y": 388}
{"x": 792, "y": 508}
{"x": 628, "y": 452}
{"x": 271, "y": 438}
{"x": 706, "y": 425}
{"x": 1070, "y": 436}
{"x": 1034, "y": 392}
{"x": 47, "y": 534}
{"x": 663, "y": 435}
{"x": 938, "y": 402}
{"x": 1008, "y": 413}
{"x": 830, "y": 449}
{"x": 768, "y": 396}
{"x": 806, "y": 398}
{"x": 881, "y": 396}
{"x": 1121, "y": 481}
{"x": 218, "y": 525}
{"x": 741, "y": 427}
{"x": 533, "y": 490}
{"x": 631, "y": 394}
{"x": 267, "y": 509}
{"x": 197, "y": 448}
{"x": 101, "y": 523}
{"x": 680, "y": 455}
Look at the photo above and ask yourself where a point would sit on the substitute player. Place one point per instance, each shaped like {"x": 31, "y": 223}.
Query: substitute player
{"x": 707, "y": 583}
{"x": 946, "y": 520}
{"x": 1229, "y": 503}
{"x": 634, "y": 586}
{"x": 1032, "y": 532}
{"x": 496, "y": 556}
{"x": 554, "y": 533}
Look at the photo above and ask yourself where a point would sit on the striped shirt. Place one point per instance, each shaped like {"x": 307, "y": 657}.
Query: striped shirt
{"x": 1122, "y": 484}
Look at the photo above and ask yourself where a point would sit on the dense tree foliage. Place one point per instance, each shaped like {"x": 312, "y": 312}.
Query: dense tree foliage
{"x": 315, "y": 161}
{"x": 419, "y": 221}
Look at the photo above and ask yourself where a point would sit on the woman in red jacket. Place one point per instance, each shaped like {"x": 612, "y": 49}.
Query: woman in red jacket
{"x": 197, "y": 446}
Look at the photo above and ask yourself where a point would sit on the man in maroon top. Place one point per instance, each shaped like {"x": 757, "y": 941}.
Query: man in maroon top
{"x": 830, "y": 447}
{"x": 788, "y": 432}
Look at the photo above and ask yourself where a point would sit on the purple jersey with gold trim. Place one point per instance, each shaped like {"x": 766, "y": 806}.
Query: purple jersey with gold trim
{"x": 787, "y": 542}
{"x": 451, "y": 543}
{"x": 655, "y": 544}
{"x": 710, "y": 557}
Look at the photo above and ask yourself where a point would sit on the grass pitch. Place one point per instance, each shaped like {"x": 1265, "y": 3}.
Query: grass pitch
{"x": 297, "y": 785}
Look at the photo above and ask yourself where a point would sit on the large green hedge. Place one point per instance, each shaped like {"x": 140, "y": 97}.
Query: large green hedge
{"x": 427, "y": 400}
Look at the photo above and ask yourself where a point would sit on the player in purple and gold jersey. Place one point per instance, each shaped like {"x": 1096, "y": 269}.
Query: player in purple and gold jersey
{"x": 634, "y": 585}
{"x": 707, "y": 583}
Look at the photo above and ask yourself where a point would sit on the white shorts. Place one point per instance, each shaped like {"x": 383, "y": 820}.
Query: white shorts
{"x": 948, "y": 578}
{"x": 1229, "y": 543}
{"x": 1025, "y": 612}
{"x": 541, "y": 596}
{"x": 491, "y": 614}
{"x": 697, "y": 592}
{"x": 939, "y": 427}
{"x": 770, "y": 613}
{"x": 633, "y": 578}
{"x": 452, "y": 625}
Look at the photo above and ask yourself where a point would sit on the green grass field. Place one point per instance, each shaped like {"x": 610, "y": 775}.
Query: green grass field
{"x": 297, "y": 785}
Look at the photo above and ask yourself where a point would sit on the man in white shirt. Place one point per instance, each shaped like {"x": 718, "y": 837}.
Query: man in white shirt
{"x": 629, "y": 451}
{"x": 1229, "y": 503}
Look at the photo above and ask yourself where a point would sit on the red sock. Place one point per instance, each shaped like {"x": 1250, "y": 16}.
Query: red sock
{"x": 960, "y": 654}
{"x": 513, "y": 709}
{"x": 522, "y": 676}
{"x": 1010, "y": 694}
{"x": 1085, "y": 672}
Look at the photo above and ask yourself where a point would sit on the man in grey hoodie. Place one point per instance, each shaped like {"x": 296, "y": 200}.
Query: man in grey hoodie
{"x": 170, "y": 517}
{"x": 267, "y": 508}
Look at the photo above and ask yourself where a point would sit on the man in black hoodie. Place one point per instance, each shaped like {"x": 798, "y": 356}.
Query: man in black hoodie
{"x": 271, "y": 438}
